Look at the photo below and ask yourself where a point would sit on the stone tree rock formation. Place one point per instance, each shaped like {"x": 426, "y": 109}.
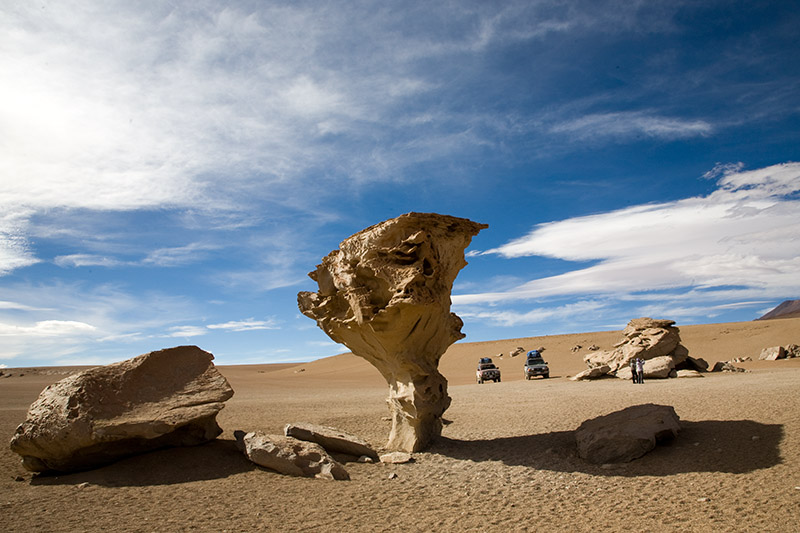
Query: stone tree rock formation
{"x": 385, "y": 294}
{"x": 166, "y": 398}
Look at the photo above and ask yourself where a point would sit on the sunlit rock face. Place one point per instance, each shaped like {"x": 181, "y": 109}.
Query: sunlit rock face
{"x": 166, "y": 398}
{"x": 385, "y": 294}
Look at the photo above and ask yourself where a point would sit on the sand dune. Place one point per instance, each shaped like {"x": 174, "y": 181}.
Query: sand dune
{"x": 506, "y": 461}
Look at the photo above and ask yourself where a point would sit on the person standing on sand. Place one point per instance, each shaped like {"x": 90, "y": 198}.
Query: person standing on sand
{"x": 634, "y": 377}
{"x": 640, "y": 369}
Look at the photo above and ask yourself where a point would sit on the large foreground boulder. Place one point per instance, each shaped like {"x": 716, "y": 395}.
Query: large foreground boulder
{"x": 333, "y": 440}
{"x": 166, "y": 398}
{"x": 385, "y": 294}
{"x": 625, "y": 435}
{"x": 289, "y": 456}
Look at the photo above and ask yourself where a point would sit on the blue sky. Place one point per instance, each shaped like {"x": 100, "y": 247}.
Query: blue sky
{"x": 171, "y": 171}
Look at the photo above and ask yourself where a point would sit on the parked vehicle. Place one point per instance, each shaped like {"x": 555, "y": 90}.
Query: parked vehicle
{"x": 535, "y": 365}
{"x": 487, "y": 371}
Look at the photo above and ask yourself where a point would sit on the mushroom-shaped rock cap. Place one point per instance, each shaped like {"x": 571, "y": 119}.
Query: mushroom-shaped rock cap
{"x": 385, "y": 294}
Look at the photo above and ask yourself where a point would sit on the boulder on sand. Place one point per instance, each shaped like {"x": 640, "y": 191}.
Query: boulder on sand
{"x": 772, "y": 353}
{"x": 289, "y": 456}
{"x": 385, "y": 294}
{"x": 333, "y": 440}
{"x": 625, "y": 435}
{"x": 726, "y": 366}
{"x": 165, "y": 398}
{"x": 592, "y": 373}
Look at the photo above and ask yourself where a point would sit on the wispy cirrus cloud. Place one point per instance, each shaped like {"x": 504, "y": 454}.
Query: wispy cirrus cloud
{"x": 744, "y": 234}
{"x": 186, "y": 331}
{"x": 48, "y": 328}
{"x": 81, "y": 260}
{"x": 245, "y": 325}
{"x": 626, "y": 124}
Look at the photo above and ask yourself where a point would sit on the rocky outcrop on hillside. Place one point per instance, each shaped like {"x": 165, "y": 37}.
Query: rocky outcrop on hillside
{"x": 165, "y": 398}
{"x": 385, "y": 294}
{"x": 657, "y": 342}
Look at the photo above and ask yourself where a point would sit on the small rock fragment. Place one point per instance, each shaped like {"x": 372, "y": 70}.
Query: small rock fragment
{"x": 396, "y": 458}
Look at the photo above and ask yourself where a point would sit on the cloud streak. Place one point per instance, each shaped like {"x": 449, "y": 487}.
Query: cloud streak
{"x": 624, "y": 125}
{"x": 744, "y": 234}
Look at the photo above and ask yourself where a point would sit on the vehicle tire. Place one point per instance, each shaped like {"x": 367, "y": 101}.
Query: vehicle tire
{"x": 546, "y": 376}
{"x": 498, "y": 380}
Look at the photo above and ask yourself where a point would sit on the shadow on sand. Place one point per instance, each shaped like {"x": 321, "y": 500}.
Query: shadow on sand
{"x": 735, "y": 446}
{"x": 215, "y": 460}
{"x": 729, "y": 446}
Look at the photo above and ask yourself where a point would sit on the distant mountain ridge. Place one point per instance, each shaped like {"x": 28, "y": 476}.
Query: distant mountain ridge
{"x": 787, "y": 309}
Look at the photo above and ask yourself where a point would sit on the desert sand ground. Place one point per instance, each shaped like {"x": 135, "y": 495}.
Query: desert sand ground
{"x": 506, "y": 460}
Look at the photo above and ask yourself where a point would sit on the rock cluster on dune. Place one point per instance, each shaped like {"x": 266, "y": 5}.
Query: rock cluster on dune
{"x": 657, "y": 342}
{"x": 165, "y": 398}
{"x": 773, "y": 353}
{"x": 385, "y": 294}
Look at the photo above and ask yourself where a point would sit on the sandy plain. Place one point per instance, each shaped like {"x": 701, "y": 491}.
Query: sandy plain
{"x": 506, "y": 460}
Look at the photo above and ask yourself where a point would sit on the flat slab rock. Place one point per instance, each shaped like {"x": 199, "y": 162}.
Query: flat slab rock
{"x": 333, "y": 440}
{"x": 289, "y": 456}
{"x": 625, "y": 435}
{"x": 397, "y": 458}
{"x": 592, "y": 373}
{"x": 165, "y": 398}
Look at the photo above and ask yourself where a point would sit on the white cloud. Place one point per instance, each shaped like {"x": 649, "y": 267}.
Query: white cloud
{"x": 516, "y": 318}
{"x": 245, "y": 325}
{"x": 20, "y": 307}
{"x": 180, "y": 255}
{"x": 630, "y": 124}
{"x": 14, "y": 248}
{"x": 743, "y": 234}
{"x": 48, "y": 328}
{"x": 81, "y": 260}
{"x": 187, "y": 331}
{"x": 58, "y": 319}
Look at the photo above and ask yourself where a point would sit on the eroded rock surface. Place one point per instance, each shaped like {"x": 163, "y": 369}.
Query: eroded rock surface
{"x": 385, "y": 294}
{"x": 289, "y": 456}
{"x": 166, "y": 398}
{"x": 625, "y": 435}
